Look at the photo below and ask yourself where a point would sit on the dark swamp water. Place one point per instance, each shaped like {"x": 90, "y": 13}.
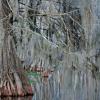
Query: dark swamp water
{"x": 17, "y": 98}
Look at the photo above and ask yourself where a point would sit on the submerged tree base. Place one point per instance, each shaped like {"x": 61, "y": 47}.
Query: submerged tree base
{"x": 13, "y": 80}
{"x": 8, "y": 91}
{"x": 16, "y": 85}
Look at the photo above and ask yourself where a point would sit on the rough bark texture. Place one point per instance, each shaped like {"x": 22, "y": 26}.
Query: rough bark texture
{"x": 13, "y": 80}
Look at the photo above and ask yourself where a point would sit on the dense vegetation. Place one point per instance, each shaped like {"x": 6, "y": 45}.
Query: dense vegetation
{"x": 53, "y": 46}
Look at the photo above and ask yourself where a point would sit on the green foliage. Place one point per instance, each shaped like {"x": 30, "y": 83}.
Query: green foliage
{"x": 33, "y": 77}
{"x": 34, "y": 74}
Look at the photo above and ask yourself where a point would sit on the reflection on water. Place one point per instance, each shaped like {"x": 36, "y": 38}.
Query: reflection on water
{"x": 17, "y": 98}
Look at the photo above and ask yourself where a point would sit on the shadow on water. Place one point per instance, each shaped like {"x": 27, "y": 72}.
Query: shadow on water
{"x": 17, "y": 98}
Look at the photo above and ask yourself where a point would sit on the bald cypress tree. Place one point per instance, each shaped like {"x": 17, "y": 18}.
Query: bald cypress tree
{"x": 13, "y": 81}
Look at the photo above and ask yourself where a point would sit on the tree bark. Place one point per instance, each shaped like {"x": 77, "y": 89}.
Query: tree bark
{"x": 13, "y": 80}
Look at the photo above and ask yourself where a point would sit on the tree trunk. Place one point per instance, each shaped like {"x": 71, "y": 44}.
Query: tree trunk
{"x": 13, "y": 80}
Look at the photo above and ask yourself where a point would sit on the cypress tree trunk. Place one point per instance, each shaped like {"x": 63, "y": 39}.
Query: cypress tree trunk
{"x": 13, "y": 81}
